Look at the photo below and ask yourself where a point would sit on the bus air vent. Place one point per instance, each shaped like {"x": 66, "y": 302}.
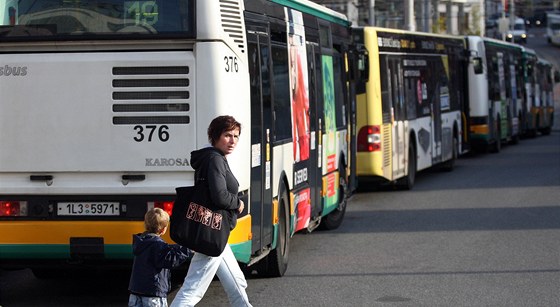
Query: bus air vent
{"x": 230, "y": 13}
{"x": 151, "y": 95}
{"x": 386, "y": 145}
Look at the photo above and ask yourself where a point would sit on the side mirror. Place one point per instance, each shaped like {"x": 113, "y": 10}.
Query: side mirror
{"x": 477, "y": 65}
{"x": 363, "y": 65}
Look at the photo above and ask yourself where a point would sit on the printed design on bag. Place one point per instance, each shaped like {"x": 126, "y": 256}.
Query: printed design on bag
{"x": 217, "y": 221}
{"x": 191, "y": 211}
{"x": 205, "y": 216}
{"x": 199, "y": 214}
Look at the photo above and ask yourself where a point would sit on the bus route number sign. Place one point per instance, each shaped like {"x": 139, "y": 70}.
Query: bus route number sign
{"x": 88, "y": 209}
{"x": 231, "y": 64}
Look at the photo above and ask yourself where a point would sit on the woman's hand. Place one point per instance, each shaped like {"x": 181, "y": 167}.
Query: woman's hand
{"x": 241, "y": 206}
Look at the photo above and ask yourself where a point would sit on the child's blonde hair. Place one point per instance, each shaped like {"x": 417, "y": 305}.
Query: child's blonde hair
{"x": 155, "y": 220}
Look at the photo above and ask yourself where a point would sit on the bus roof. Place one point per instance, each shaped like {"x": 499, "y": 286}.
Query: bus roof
{"x": 494, "y": 41}
{"x": 399, "y": 31}
{"x": 315, "y": 9}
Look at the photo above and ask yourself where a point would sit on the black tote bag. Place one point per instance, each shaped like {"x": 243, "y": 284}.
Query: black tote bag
{"x": 196, "y": 223}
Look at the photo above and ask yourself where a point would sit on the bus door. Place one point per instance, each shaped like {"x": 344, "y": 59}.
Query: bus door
{"x": 501, "y": 99}
{"x": 513, "y": 111}
{"x": 439, "y": 101}
{"x": 400, "y": 154}
{"x": 261, "y": 126}
{"x": 316, "y": 124}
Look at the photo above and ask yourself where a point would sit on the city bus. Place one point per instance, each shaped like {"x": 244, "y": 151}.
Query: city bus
{"x": 544, "y": 96}
{"x": 531, "y": 110}
{"x": 410, "y": 111}
{"x": 104, "y": 100}
{"x": 495, "y": 93}
{"x": 553, "y": 27}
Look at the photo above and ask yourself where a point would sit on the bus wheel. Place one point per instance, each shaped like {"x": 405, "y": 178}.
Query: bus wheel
{"x": 497, "y": 146}
{"x": 450, "y": 164}
{"x": 334, "y": 219}
{"x": 276, "y": 263}
{"x": 407, "y": 182}
{"x": 545, "y": 131}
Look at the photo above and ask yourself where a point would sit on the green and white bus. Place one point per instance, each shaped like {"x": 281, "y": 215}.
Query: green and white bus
{"x": 495, "y": 92}
{"x": 103, "y": 101}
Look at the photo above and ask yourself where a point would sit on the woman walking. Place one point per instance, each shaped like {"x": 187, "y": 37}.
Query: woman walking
{"x": 211, "y": 164}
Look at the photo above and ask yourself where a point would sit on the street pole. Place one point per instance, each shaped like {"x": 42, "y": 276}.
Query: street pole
{"x": 409, "y": 15}
{"x": 371, "y": 9}
{"x": 511, "y": 14}
{"x": 426, "y": 16}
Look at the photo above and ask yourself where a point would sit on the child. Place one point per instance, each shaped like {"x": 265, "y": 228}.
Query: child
{"x": 153, "y": 259}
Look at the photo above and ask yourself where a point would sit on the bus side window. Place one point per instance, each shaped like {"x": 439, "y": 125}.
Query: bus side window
{"x": 386, "y": 93}
{"x": 281, "y": 93}
{"x": 477, "y": 65}
{"x": 339, "y": 90}
{"x": 411, "y": 88}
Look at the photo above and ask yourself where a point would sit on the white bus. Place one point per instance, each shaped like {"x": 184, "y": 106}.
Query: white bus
{"x": 553, "y": 27}
{"x": 103, "y": 101}
{"x": 495, "y": 92}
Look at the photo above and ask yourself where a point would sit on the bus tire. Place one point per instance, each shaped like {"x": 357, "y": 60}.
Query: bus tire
{"x": 514, "y": 139}
{"x": 449, "y": 165}
{"x": 407, "y": 182}
{"x": 533, "y": 132}
{"x": 334, "y": 219}
{"x": 496, "y": 147}
{"x": 276, "y": 263}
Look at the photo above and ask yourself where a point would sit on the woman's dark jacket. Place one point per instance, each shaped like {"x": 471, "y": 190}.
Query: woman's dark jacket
{"x": 211, "y": 166}
{"x": 153, "y": 259}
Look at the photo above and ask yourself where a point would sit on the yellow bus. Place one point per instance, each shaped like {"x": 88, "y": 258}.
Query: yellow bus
{"x": 411, "y": 111}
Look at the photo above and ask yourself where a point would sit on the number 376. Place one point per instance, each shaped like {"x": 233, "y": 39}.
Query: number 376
{"x": 148, "y": 133}
{"x": 231, "y": 64}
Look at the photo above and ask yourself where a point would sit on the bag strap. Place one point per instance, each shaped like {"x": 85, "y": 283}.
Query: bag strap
{"x": 198, "y": 178}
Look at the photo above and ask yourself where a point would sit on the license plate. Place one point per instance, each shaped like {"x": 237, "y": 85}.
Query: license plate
{"x": 89, "y": 209}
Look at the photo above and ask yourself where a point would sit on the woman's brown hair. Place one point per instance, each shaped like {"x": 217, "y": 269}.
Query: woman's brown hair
{"x": 220, "y": 125}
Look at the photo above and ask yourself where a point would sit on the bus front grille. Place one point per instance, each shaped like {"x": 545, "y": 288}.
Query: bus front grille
{"x": 151, "y": 95}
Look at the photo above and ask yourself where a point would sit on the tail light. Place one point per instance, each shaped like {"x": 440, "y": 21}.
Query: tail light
{"x": 167, "y": 206}
{"x": 369, "y": 139}
{"x": 13, "y": 208}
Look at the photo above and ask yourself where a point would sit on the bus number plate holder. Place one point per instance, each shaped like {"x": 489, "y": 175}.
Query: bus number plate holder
{"x": 88, "y": 209}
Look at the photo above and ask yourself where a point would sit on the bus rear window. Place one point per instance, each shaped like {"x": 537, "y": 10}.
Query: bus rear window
{"x": 92, "y": 19}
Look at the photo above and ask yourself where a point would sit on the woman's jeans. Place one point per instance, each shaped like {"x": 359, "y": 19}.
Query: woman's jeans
{"x": 142, "y": 301}
{"x": 201, "y": 272}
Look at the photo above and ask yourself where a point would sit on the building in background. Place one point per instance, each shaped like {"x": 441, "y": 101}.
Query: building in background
{"x": 533, "y": 12}
{"x": 437, "y": 16}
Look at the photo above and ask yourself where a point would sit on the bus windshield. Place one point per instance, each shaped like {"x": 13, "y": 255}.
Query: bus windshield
{"x": 93, "y": 19}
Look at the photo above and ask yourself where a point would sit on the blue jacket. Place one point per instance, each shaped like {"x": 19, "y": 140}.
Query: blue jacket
{"x": 153, "y": 259}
